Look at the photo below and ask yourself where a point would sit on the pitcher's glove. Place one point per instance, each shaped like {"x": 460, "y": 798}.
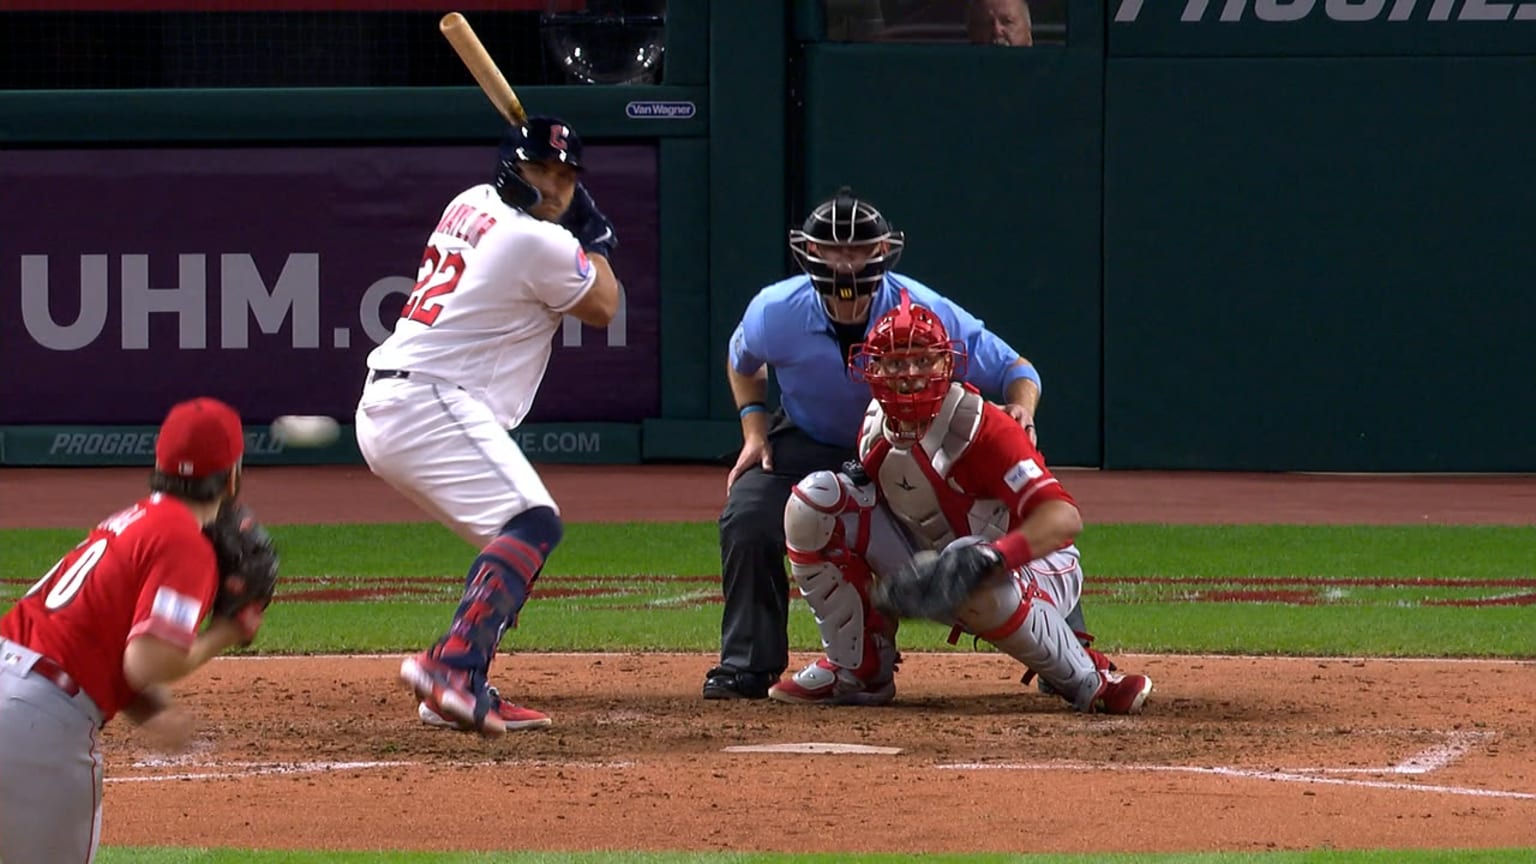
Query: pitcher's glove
{"x": 934, "y": 584}
{"x": 247, "y": 562}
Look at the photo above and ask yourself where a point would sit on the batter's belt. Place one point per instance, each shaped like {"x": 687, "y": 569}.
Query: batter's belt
{"x": 405, "y": 374}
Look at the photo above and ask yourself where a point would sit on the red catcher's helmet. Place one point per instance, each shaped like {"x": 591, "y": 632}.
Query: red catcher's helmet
{"x": 908, "y": 360}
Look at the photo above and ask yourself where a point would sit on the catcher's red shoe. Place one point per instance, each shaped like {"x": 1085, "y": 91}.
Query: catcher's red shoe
{"x": 823, "y": 683}
{"x": 1122, "y": 694}
{"x": 451, "y": 694}
{"x": 516, "y": 717}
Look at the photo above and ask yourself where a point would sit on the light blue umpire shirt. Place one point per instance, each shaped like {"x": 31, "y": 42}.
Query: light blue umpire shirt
{"x": 786, "y": 327}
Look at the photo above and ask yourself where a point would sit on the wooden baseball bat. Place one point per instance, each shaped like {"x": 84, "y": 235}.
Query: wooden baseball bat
{"x": 467, "y": 45}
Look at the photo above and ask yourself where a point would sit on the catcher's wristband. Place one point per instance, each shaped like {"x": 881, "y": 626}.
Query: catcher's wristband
{"x": 1015, "y": 550}
{"x": 752, "y": 408}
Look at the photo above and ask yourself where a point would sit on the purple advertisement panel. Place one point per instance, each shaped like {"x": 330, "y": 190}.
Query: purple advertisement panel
{"x": 136, "y": 278}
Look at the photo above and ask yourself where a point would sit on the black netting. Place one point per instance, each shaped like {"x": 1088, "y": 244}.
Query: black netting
{"x": 76, "y": 50}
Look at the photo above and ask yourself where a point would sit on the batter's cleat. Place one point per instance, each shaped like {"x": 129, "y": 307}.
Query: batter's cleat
{"x": 452, "y": 694}
{"x": 723, "y": 683}
{"x": 1122, "y": 694}
{"x": 823, "y": 683}
{"x": 516, "y": 717}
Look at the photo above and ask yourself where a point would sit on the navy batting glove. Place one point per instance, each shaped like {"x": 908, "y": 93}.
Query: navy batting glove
{"x": 581, "y": 209}
{"x": 598, "y": 236}
{"x": 588, "y": 224}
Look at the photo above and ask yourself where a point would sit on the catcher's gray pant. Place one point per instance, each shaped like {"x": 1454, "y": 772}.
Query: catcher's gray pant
{"x": 50, "y": 766}
{"x": 754, "y": 627}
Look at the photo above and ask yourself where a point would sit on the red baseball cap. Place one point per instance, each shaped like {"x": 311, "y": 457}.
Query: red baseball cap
{"x": 199, "y": 438}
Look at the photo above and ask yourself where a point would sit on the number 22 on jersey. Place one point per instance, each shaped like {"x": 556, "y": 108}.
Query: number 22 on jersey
{"x": 440, "y": 275}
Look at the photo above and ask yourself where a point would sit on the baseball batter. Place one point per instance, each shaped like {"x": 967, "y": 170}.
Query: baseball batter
{"x": 504, "y": 263}
{"x": 105, "y": 630}
{"x": 950, "y": 513}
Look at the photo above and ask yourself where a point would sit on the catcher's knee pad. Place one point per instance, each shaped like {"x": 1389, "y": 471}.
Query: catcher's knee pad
{"x": 1023, "y": 622}
{"x": 826, "y": 527}
{"x": 827, "y": 513}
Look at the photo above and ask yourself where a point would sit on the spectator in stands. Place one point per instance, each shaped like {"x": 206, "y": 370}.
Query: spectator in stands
{"x": 999, "y": 22}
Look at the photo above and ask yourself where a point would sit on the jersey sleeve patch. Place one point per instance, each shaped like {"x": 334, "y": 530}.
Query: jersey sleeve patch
{"x": 1022, "y": 473}
{"x": 583, "y": 263}
{"x": 176, "y": 609}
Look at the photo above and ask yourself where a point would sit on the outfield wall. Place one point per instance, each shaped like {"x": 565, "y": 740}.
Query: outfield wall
{"x": 1233, "y": 234}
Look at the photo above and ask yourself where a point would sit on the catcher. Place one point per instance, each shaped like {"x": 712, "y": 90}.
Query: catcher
{"x": 119, "y": 618}
{"x": 949, "y": 514}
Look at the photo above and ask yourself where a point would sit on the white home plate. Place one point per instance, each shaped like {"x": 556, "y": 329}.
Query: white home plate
{"x": 814, "y": 747}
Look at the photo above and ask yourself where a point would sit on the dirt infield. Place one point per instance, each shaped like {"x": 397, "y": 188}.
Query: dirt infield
{"x": 1232, "y": 754}
{"x": 72, "y": 498}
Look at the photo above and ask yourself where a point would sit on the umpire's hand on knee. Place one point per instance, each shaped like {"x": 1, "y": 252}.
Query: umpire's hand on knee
{"x": 756, "y": 451}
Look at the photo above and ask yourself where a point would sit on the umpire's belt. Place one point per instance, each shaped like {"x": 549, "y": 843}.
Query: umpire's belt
{"x": 381, "y": 374}
{"x": 43, "y": 667}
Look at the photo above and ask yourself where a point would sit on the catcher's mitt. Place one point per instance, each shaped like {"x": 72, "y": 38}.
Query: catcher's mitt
{"x": 247, "y": 563}
{"x": 934, "y": 584}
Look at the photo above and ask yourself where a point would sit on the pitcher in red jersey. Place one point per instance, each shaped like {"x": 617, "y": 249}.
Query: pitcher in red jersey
{"x": 106, "y": 630}
{"x": 950, "y": 499}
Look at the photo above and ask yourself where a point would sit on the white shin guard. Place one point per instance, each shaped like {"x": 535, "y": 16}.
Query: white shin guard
{"x": 826, "y": 526}
{"x": 839, "y": 610}
{"x": 1028, "y": 627}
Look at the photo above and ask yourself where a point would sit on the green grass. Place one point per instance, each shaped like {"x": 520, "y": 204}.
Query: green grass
{"x": 1261, "y": 589}
{"x": 1298, "y": 590}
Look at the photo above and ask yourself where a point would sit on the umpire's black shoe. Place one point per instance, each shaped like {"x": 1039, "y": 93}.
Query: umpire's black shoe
{"x": 723, "y": 683}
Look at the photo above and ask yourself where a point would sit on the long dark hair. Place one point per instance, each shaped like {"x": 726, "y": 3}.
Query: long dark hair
{"x": 201, "y": 489}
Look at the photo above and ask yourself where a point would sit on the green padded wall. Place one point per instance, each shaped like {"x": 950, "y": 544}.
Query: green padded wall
{"x": 1319, "y": 262}
{"x": 990, "y": 160}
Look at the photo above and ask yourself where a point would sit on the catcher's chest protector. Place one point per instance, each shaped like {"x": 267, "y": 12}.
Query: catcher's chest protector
{"x": 915, "y": 482}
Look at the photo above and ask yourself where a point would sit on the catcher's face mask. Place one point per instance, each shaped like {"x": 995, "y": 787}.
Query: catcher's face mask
{"x": 908, "y": 362}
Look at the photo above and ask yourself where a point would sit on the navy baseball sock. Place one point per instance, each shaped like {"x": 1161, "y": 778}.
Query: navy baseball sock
{"x": 497, "y": 586}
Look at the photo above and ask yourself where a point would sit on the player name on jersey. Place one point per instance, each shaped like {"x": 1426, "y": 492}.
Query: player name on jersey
{"x": 466, "y": 223}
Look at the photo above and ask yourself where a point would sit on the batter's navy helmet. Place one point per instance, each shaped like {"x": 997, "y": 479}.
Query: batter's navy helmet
{"x": 540, "y": 139}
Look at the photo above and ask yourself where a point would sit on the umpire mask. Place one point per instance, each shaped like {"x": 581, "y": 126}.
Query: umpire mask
{"x": 846, "y": 247}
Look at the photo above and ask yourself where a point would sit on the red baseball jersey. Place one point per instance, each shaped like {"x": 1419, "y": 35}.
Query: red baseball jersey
{"x": 146, "y": 570}
{"x": 976, "y": 466}
{"x": 1003, "y": 464}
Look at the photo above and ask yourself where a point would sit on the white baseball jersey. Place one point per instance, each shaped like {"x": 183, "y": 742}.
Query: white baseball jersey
{"x": 489, "y": 297}
{"x": 475, "y": 334}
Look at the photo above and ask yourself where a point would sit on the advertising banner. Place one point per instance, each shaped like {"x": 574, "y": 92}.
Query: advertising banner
{"x": 1320, "y": 28}
{"x": 53, "y": 446}
{"x": 138, "y": 278}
